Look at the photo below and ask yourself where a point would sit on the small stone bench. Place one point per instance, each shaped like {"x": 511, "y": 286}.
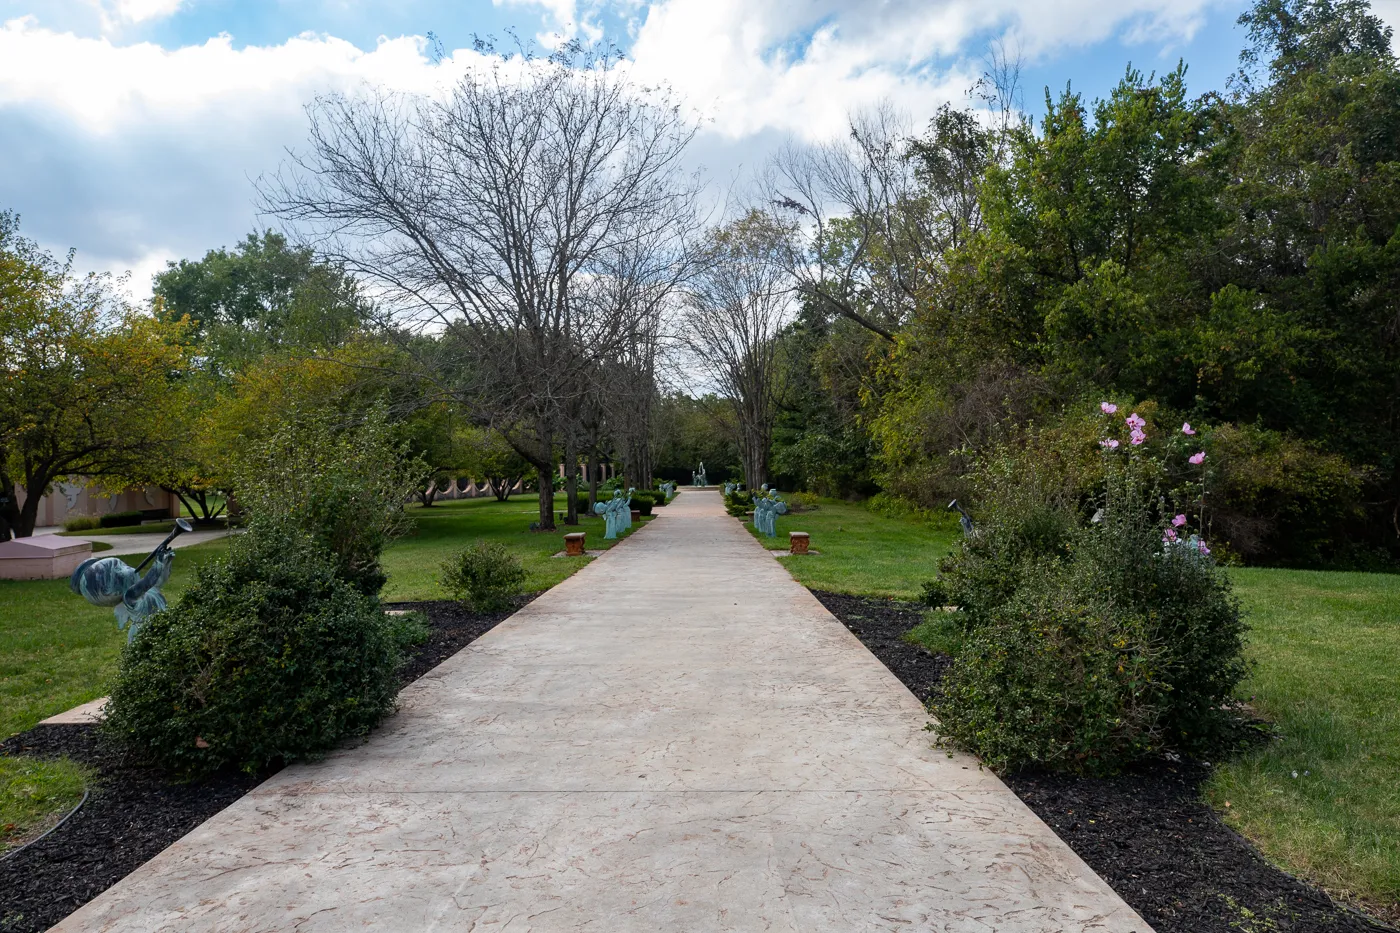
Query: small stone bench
{"x": 573, "y": 543}
{"x": 798, "y": 542}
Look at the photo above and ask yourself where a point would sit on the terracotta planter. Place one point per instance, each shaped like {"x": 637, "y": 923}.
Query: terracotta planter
{"x": 574, "y": 543}
{"x": 798, "y": 542}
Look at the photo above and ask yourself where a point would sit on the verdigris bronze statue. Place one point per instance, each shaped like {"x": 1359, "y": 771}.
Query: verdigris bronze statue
{"x": 111, "y": 581}
{"x": 766, "y": 509}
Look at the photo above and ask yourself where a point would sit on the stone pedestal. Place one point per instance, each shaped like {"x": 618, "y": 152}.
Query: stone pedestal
{"x": 636, "y": 515}
{"x": 573, "y": 544}
{"x": 45, "y": 557}
{"x": 798, "y": 541}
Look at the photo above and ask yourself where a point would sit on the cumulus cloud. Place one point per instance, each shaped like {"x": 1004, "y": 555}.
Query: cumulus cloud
{"x": 801, "y": 65}
{"x": 134, "y": 153}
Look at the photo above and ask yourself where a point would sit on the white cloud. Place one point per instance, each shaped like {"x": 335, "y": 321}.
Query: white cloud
{"x": 134, "y": 153}
{"x": 563, "y": 20}
{"x": 801, "y": 66}
{"x": 139, "y": 11}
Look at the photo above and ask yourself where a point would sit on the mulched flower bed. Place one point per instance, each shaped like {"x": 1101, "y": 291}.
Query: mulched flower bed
{"x": 135, "y": 811}
{"x": 1147, "y": 832}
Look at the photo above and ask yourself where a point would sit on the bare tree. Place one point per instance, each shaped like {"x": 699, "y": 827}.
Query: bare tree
{"x": 856, "y": 202}
{"x": 486, "y": 214}
{"x": 737, "y": 304}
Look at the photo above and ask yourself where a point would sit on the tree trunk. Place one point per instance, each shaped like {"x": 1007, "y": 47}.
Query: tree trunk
{"x": 28, "y": 514}
{"x": 570, "y": 482}
{"x": 592, "y": 479}
{"x": 546, "y": 476}
{"x": 9, "y": 509}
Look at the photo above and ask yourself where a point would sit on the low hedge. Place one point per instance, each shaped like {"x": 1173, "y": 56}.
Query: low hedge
{"x": 120, "y": 519}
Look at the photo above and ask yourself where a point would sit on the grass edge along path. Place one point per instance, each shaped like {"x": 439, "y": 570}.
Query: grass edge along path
{"x": 860, "y": 552}
{"x": 1323, "y": 799}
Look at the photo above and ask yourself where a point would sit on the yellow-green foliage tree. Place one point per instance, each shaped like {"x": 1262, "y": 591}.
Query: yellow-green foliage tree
{"x": 85, "y": 379}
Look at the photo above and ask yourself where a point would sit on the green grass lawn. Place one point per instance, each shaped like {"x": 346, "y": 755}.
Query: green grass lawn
{"x": 863, "y": 553}
{"x": 413, "y": 563}
{"x": 34, "y": 795}
{"x": 1327, "y": 652}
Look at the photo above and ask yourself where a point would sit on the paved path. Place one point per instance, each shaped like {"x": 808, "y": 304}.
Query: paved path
{"x": 678, "y": 738}
{"x": 140, "y": 543}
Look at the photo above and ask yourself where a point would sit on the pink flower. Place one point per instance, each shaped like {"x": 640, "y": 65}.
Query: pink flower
{"x": 1201, "y": 546}
{"x": 1169, "y": 536}
{"x": 1179, "y": 521}
{"x": 1135, "y": 422}
{"x": 1198, "y": 458}
{"x": 1107, "y": 408}
{"x": 1138, "y": 437}
{"x": 1109, "y": 444}
{"x": 1187, "y": 429}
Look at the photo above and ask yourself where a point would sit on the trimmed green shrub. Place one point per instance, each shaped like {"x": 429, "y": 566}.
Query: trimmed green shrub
{"x": 1089, "y": 639}
{"x": 269, "y": 656}
{"x": 801, "y": 501}
{"x": 120, "y": 519}
{"x": 346, "y": 488}
{"x": 738, "y": 503}
{"x": 643, "y": 503}
{"x": 82, "y": 523}
{"x": 484, "y": 577}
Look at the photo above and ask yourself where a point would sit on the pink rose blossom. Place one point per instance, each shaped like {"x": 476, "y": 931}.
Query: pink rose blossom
{"x": 1187, "y": 429}
{"x": 1138, "y": 437}
{"x": 1198, "y": 458}
{"x": 1135, "y": 422}
{"x": 1108, "y": 408}
{"x": 1179, "y": 521}
{"x": 1109, "y": 444}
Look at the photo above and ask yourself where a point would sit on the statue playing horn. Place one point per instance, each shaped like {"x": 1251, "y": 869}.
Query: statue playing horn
{"x": 112, "y": 582}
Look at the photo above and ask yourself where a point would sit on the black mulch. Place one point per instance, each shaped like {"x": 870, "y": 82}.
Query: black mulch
{"x": 135, "y": 811}
{"x": 1147, "y": 833}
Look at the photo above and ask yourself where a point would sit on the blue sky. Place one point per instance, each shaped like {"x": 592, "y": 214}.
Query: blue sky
{"x": 133, "y": 130}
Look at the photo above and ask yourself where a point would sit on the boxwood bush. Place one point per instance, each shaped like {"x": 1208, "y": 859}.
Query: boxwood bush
{"x": 485, "y": 577}
{"x": 271, "y": 655}
{"x": 1089, "y": 639}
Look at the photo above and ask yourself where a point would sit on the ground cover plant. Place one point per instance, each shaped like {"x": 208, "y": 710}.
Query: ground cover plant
{"x": 862, "y": 551}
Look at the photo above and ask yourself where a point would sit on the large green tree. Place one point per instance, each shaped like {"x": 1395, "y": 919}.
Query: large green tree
{"x": 262, "y": 295}
{"x": 86, "y": 382}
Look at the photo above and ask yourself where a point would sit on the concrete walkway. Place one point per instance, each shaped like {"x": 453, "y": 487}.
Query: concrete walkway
{"x": 140, "y": 543}
{"x": 678, "y": 738}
